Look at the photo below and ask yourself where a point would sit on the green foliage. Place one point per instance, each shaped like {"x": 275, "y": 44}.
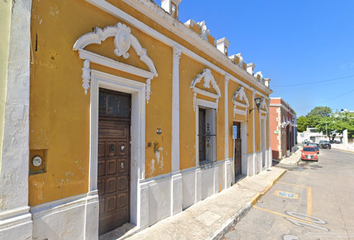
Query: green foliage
{"x": 302, "y": 123}
{"x": 326, "y": 122}
{"x": 336, "y": 124}
{"x": 320, "y": 112}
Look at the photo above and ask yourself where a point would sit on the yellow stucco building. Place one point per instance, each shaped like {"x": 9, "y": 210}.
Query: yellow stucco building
{"x": 113, "y": 111}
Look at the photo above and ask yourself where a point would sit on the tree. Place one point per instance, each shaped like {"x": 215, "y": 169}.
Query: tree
{"x": 302, "y": 123}
{"x": 320, "y": 112}
{"x": 334, "y": 125}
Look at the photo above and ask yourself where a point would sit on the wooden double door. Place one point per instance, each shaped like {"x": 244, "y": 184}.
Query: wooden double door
{"x": 113, "y": 181}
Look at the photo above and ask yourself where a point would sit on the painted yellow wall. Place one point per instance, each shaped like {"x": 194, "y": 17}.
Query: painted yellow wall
{"x": 59, "y": 109}
{"x": 187, "y": 114}
{"x": 59, "y": 113}
{"x": 241, "y": 118}
{"x": 5, "y": 13}
{"x": 189, "y": 70}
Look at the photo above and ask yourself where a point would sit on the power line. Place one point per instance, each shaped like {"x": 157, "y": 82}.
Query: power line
{"x": 301, "y": 84}
{"x": 338, "y": 96}
{"x": 308, "y": 107}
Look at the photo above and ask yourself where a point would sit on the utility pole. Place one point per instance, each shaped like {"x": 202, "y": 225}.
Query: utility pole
{"x": 326, "y": 130}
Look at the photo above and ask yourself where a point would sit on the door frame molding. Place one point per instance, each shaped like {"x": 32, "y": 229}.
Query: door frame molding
{"x": 137, "y": 163}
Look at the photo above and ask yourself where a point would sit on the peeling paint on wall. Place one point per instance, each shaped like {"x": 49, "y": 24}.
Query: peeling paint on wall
{"x": 152, "y": 167}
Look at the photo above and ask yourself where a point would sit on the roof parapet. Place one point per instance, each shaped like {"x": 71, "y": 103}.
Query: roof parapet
{"x": 201, "y": 29}
{"x": 267, "y": 82}
{"x": 259, "y": 76}
{"x": 250, "y": 68}
{"x": 171, "y": 6}
{"x": 223, "y": 45}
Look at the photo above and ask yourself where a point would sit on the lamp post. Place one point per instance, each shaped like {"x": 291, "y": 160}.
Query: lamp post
{"x": 258, "y": 101}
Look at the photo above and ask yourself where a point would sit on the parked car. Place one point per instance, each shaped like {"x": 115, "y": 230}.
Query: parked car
{"x": 316, "y": 146}
{"x": 309, "y": 153}
{"x": 306, "y": 141}
{"x": 325, "y": 144}
{"x": 334, "y": 141}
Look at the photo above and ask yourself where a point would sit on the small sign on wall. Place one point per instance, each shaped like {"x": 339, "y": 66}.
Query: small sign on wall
{"x": 234, "y": 132}
{"x": 276, "y": 132}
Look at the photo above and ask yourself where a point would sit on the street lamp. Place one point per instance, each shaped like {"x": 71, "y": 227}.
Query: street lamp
{"x": 258, "y": 101}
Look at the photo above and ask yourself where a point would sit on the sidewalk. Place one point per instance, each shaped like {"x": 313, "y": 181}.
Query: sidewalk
{"x": 348, "y": 147}
{"x": 294, "y": 157}
{"x": 216, "y": 215}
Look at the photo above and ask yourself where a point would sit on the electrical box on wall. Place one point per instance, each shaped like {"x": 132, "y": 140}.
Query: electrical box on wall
{"x": 37, "y": 161}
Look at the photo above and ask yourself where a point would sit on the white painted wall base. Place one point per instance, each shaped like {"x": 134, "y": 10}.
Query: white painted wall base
{"x": 158, "y": 198}
{"x": 69, "y": 218}
{"x": 167, "y": 195}
{"x": 16, "y": 224}
{"x": 176, "y": 196}
{"x": 269, "y": 159}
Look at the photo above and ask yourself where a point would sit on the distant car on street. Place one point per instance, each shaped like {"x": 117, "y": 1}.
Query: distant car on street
{"x": 325, "y": 144}
{"x": 309, "y": 153}
{"x": 334, "y": 141}
{"x": 306, "y": 141}
{"x": 315, "y": 145}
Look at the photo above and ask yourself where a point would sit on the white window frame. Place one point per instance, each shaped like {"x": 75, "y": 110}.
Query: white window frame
{"x": 211, "y": 154}
{"x": 208, "y": 79}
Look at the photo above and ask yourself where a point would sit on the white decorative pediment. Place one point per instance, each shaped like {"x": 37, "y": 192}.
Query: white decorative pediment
{"x": 208, "y": 79}
{"x": 240, "y": 99}
{"x": 263, "y": 108}
{"x": 123, "y": 41}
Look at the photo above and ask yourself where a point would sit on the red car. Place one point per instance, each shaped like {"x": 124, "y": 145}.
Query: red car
{"x": 309, "y": 153}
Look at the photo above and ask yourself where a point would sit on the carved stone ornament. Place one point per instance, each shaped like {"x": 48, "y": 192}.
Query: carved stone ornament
{"x": 86, "y": 75}
{"x": 238, "y": 99}
{"x": 123, "y": 41}
{"x": 177, "y": 51}
{"x": 208, "y": 79}
{"x": 204, "y": 32}
{"x": 263, "y": 108}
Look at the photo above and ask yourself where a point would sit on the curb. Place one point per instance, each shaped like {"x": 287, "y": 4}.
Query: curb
{"x": 243, "y": 211}
{"x": 232, "y": 222}
{"x": 343, "y": 150}
{"x": 258, "y": 196}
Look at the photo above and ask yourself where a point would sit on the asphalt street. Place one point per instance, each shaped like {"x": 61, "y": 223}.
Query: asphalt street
{"x": 314, "y": 200}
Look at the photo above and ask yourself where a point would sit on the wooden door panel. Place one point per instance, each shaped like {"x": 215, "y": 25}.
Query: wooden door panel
{"x": 123, "y": 166}
{"x": 238, "y": 157}
{"x": 123, "y": 199}
{"x": 111, "y": 185}
{"x": 122, "y": 148}
{"x": 111, "y": 166}
{"x": 102, "y": 205}
{"x": 113, "y": 133}
{"x": 111, "y": 149}
{"x": 101, "y": 186}
{"x": 123, "y": 183}
{"x": 101, "y": 168}
{"x": 101, "y": 149}
{"x": 111, "y": 203}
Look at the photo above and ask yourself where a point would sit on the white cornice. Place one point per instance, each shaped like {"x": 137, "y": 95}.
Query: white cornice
{"x": 157, "y": 14}
{"x": 288, "y": 109}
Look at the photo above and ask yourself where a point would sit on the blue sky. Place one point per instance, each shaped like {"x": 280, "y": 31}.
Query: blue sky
{"x": 293, "y": 43}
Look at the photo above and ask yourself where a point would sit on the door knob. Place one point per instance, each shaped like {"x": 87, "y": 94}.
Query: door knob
{"x": 122, "y": 147}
